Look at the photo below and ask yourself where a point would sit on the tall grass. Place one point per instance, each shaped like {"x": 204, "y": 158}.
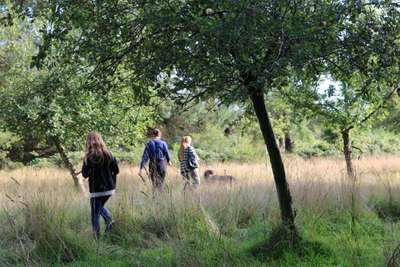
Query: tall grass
{"x": 44, "y": 222}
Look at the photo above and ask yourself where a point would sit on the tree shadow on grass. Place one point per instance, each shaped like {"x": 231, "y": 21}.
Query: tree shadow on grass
{"x": 278, "y": 245}
{"x": 388, "y": 210}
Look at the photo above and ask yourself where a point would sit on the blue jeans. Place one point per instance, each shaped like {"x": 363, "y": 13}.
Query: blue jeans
{"x": 97, "y": 209}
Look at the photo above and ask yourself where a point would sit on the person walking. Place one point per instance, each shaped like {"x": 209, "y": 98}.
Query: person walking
{"x": 101, "y": 167}
{"x": 189, "y": 163}
{"x": 157, "y": 155}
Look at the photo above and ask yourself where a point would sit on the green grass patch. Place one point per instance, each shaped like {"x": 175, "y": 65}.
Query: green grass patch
{"x": 387, "y": 209}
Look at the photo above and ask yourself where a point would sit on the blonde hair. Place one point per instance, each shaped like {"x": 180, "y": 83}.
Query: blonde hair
{"x": 185, "y": 141}
{"x": 96, "y": 148}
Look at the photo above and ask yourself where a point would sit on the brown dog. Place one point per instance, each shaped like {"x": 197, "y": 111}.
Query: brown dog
{"x": 209, "y": 176}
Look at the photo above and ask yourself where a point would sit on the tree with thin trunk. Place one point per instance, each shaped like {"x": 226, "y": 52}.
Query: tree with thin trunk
{"x": 288, "y": 142}
{"x": 234, "y": 51}
{"x": 69, "y": 165}
{"x": 46, "y": 103}
{"x": 361, "y": 78}
{"x": 342, "y": 108}
{"x": 284, "y": 117}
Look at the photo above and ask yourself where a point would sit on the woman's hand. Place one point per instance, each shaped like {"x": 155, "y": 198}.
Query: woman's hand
{"x": 140, "y": 173}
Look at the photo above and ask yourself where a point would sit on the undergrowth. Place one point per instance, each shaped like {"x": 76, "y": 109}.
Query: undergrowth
{"x": 44, "y": 222}
{"x": 45, "y": 233}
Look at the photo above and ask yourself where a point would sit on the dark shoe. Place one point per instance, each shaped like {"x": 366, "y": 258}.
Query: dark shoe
{"x": 109, "y": 227}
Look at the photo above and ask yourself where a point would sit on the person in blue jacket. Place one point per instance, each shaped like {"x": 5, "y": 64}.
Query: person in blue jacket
{"x": 156, "y": 153}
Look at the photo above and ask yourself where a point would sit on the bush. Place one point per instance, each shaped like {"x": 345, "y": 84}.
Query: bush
{"x": 213, "y": 145}
{"x": 317, "y": 149}
{"x": 377, "y": 141}
{"x": 7, "y": 140}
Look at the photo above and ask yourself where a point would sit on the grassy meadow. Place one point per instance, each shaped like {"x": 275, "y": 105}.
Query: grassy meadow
{"x": 44, "y": 222}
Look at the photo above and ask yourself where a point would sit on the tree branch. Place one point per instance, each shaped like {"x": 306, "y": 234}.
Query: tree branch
{"x": 381, "y": 105}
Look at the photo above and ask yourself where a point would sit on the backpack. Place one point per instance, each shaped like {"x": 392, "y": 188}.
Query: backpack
{"x": 158, "y": 152}
{"x": 191, "y": 160}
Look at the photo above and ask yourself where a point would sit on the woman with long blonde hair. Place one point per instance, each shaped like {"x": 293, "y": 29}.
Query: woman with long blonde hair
{"x": 101, "y": 167}
{"x": 189, "y": 162}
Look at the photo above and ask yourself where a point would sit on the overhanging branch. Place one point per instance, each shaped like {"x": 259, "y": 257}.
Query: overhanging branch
{"x": 380, "y": 106}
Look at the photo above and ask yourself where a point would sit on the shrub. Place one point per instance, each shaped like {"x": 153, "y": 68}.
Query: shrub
{"x": 7, "y": 140}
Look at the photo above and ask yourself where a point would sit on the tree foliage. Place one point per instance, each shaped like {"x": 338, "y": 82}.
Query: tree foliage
{"x": 232, "y": 51}
{"x": 363, "y": 73}
{"x": 51, "y": 100}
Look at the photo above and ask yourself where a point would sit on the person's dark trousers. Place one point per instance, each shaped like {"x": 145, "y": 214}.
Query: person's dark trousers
{"x": 97, "y": 208}
{"x": 158, "y": 171}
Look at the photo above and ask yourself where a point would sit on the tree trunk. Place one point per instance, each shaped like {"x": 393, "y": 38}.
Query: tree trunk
{"x": 288, "y": 142}
{"x": 354, "y": 190}
{"x": 68, "y": 164}
{"x": 281, "y": 143}
{"x": 347, "y": 152}
{"x": 284, "y": 196}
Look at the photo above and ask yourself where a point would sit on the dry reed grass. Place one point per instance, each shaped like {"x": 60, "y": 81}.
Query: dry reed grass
{"x": 316, "y": 184}
{"x": 41, "y": 202}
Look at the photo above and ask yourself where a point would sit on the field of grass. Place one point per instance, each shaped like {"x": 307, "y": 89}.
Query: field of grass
{"x": 44, "y": 222}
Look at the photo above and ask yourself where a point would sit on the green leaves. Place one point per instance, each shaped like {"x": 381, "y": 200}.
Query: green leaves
{"x": 106, "y": 62}
{"x": 56, "y": 99}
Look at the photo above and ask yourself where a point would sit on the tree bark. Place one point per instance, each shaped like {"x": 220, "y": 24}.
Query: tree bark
{"x": 354, "y": 190}
{"x": 284, "y": 196}
{"x": 347, "y": 152}
{"x": 281, "y": 143}
{"x": 288, "y": 142}
{"x": 68, "y": 164}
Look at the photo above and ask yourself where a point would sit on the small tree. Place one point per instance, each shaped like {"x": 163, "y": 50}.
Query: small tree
{"x": 284, "y": 118}
{"x": 363, "y": 71}
{"x": 47, "y": 103}
{"x": 342, "y": 108}
{"x": 231, "y": 50}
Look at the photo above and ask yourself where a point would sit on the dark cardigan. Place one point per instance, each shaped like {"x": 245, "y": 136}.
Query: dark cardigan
{"x": 102, "y": 174}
